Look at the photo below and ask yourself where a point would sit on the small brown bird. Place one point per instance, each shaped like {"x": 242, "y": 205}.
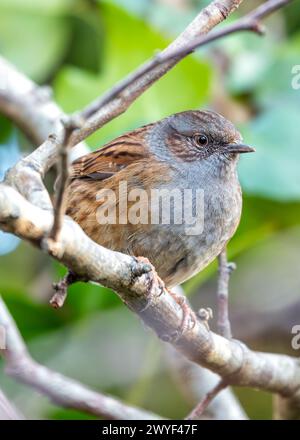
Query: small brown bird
{"x": 168, "y": 191}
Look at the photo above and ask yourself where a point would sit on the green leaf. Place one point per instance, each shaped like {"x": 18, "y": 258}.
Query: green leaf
{"x": 87, "y": 37}
{"x": 128, "y": 42}
{"x": 275, "y": 86}
{"x": 85, "y": 298}
{"x": 32, "y": 319}
{"x": 14, "y": 274}
{"x": 47, "y": 7}
{"x": 261, "y": 219}
{"x": 273, "y": 171}
{"x": 34, "y": 42}
{"x": 292, "y": 16}
{"x": 249, "y": 57}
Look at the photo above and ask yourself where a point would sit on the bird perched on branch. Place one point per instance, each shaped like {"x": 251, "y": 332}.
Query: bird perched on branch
{"x": 168, "y": 191}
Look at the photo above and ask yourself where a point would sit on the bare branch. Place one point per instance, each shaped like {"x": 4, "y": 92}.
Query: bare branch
{"x": 27, "y": 104}
{"x": 286, "y": 408}
{"x": 70, "y": 124}
{"x": 8, "y": 410}
{"x": 120, "y": 97}
{"x": 61, "y": 289}
{"x": 249, "y": 23}
{"x": 225, "y": 269}
{"x": 60, "y": 389}
{"x": 27, "y": 175}
{"x": 232, "y": 360}
{"x": 195, "y": 382}
{"x": 31, "y": 108}
{"x": 201, "y": 407}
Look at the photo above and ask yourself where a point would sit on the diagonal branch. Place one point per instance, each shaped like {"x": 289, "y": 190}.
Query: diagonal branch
{"x": 32, "y": 220}
{"x": 202, "y": 406}
{"x": 8, "y": 410}
{"x": 70, "y": 124}
{"x": 60, "y": 389}
{"x": 225, "y": 270}
{"x": 31, "y": 107}
{"x": 195, "y": 382}
{"x": 27, "y": 104}
{"x": 121, "y": 96}
{"x": 102, "y": 110}
{"x": 231, "y": 359}
{"x": 33, "y": 110}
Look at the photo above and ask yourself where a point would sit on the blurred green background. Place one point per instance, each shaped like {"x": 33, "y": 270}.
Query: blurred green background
{"x": 81, "y": 48}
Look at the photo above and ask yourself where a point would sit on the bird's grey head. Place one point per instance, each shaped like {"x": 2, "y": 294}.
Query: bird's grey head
{"x": 199, "y": 135}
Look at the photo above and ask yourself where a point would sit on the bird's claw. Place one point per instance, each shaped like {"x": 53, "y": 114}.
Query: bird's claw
{"x": 189, "y": 318}
{"x": 152, "y": 279}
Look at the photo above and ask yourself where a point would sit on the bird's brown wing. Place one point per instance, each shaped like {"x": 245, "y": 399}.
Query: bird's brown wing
{"x": 113, "y": 157}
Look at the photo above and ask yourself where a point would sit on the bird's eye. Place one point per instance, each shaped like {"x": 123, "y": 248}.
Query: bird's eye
{"x": 201, "y": 140}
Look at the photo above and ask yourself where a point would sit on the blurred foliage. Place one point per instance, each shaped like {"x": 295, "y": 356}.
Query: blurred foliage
{"x": 83, "y": 47}
{"x": 9, "y": 154}
{"x": 75, "y": 87}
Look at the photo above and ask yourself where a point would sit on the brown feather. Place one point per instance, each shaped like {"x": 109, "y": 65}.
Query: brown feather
{"x": 113, "y": 157}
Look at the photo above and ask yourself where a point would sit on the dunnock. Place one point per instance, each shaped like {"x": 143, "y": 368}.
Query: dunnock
{"x": 192, "y": 150}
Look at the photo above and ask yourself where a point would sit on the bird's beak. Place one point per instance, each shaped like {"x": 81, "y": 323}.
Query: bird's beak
{"x": 239, "y": 148}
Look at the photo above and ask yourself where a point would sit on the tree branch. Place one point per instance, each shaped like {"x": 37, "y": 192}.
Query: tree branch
{"x": 60, "y": 389}
{"x": 202, "y": 406}
{"x": 232, "y": 360}
{"x": 31, "y": 107}
{"x": 63, "y": 172}
{"x": 8, "y": 410}
{"x": 32, "y": 220}
{"x": 195, "y": 382}
{"x": 119, "y": 98}
{"x": 225, "y": 269}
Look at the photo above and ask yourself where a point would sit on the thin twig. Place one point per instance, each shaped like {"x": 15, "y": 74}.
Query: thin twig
{"x": 60, "y": 389}
{"x": 197, "y": 412}
{"x": 70, "y": 124}
{"x": 195, "y": 382}
{"x": 249, "y": 23}
{"x": 8, "y": 411}
{"x": 76, "y": 250}
{"x": 30, "y": 106}
{"x": 228, "y": 358}
{"x": 117, "y": 101}
{"x": 61, "y": 183}
{"x": 225, "y": 270}
{"x": 61, "y": 289}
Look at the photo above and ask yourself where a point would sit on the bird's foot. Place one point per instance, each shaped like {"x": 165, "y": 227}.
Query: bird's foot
{"x": 155, "y": 278}
{"x": 189, "y": 318}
